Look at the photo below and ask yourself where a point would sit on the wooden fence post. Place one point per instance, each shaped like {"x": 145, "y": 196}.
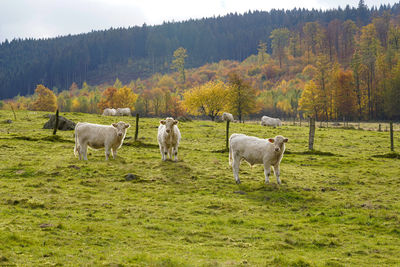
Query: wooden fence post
{"x": 311, "y": 134}
{"x": 12, "y": 108}
{"x": 137, "y": 127}
{"x": 56, "y": 123}
{"x": 379, "y": 128}
{"x": 391, "y": 137}
{"x": 227, "y": 136}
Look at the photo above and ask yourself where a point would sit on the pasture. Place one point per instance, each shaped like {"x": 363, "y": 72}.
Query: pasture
{"x": 337, "y": 208}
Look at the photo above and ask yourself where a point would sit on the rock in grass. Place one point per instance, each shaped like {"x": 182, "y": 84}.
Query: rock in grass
{"x": 130, "y": 177}
{"x": 8, "y": 121}
{"x": 64, "y": 124}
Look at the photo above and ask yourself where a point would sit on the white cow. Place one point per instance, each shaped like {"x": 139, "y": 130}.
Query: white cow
{"x": 109, "y": 112}
{"x": 268, "y": 121}
{"x": 99, "y": 136}
{"x": 256, "y": 151}
{"x": 168, "y": 137}
{"x": 123, "y": 111}
{"x": 227, "y": 117}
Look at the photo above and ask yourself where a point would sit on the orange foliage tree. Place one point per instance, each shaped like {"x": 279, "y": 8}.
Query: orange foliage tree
{"x": 46, "y": 100}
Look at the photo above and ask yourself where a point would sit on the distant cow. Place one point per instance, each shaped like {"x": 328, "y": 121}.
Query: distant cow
{"x": 256, "y": 151}
{"x": 227, "y": 117}
{"x": 123, "y": 111}
{"x": 268, "y": 121}
{"x": 168, "y": 138}
{"x": 98, "y": 136}
{"x": 109, "y": 112}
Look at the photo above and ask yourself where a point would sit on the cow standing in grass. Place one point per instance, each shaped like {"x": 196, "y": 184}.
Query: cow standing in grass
{"x": 98, "y": 136}
{"x": 168, "y": 138}
{"x": 256, "y": 151}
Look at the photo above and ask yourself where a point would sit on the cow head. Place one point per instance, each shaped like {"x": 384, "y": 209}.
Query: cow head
{"x": 121, "y": 128}
{"x": 279, "y": 143}
{"x": 169, "y": 124}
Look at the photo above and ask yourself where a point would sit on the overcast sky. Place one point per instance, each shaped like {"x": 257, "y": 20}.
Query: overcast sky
{"x": 50, "y": 18}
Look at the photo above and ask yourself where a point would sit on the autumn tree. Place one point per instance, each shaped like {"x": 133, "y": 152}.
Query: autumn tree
{"x": 392, "y": 95}
{"x": 208, "y": 99}
{"x": 124, "y": 98}
{"x": 309, "y": 102}
{"x": 312, "y": 32}
{"x": 348, "y": 32}
{"x": 279, "y": 41}
{"x": 178, "y": 63}
{"x": 345, "y": 97}
{"x": 46, "y": 99}
{"x": 107, "y": 99}
{"x": 262, "y": 55}
{"x": 369, "y": 46}
{"x": 241, "y": 96}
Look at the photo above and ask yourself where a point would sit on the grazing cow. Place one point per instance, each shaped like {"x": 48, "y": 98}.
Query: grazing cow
{"x": 227, "y": 117}
{"x": 268, "y": 121}
{"x": 256, "y": 151}
{"x": 99, "y": 136}
{"x": 109, "y": 112}
{"x": 123, "y": 111}
{"x": 168, "y": 138}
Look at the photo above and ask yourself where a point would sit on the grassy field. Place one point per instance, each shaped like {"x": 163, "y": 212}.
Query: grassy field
{"x": 339, "y": 208}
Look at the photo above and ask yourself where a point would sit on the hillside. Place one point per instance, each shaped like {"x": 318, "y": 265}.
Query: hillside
{"x": 138, "y": 52}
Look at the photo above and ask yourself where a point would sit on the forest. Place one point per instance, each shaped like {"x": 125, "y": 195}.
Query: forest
{"x": 332, "y": 65}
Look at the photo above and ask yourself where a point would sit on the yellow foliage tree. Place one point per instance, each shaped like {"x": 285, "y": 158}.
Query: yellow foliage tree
{"x": 309, "y": 100}
{"x": 125, "y": 98}
{"x": 46, "y": 100}
{"x": 207, "y": 99}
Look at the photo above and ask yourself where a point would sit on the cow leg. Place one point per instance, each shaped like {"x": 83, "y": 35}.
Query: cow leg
{"x": 83, "y": 151}
{"x": 235, "y": 168}
{"x": 277, "y": 173}
{"x": 170, "y": 153}
{"x": 164, "y": 152}
{"x": 107, "y": 151}
{"x": 267, "y": 171}
{"x": 175, "y": 151}
{"x": 114, "y": 153}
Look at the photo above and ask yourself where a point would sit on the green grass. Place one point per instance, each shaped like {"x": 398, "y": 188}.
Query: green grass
{"x": 337, "y": 206}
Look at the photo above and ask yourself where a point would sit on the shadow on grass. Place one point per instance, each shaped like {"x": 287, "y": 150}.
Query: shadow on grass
{"x": 392, "y": 155}
{"x": 310, "y": 152}
{"x": 276, "y": 194}
{"x": 50, "y": 138}
{"x": 140, "y": 144}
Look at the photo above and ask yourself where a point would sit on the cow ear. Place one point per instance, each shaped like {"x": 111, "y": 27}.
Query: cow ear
{"x": 175, "y": 122}
{"x": 285, "y": 140}
{"x": 127, "y": 125}
{"x": 271, "y": 140}
{"x": 162, "y": 122}
{"x": 114, "y": 125}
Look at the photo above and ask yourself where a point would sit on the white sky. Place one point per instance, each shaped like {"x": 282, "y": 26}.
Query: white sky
{"x": 50, "y": 18}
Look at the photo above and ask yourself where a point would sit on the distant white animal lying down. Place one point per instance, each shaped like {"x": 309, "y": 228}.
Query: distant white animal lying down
{"x": 268, "y": 121}
{"x": 168, "y": 138}
{"x": 99, "y": 136}
{"x": 109, "y": 112}
{"x": 123, "y": 112}
{"x": 256, "y": 151}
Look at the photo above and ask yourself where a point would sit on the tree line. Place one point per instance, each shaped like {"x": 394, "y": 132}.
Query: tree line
{"x": 139, "y": 52}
